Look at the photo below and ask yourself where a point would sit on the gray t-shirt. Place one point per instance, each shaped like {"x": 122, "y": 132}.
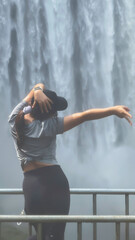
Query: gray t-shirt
{"x": 40, "y": 138}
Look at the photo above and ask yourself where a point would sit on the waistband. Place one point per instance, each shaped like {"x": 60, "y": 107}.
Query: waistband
{"x": 41, "y": 170}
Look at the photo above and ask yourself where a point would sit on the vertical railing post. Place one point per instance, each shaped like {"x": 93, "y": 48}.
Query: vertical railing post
{"x": 127, "y": 213}
{"x": 30, "y": 229}
{"x": 117, "y": 231}
{"x": 0, "y": 229}
{"x": 94, "y": 213}
{"x": 79, "y": 231}
{"x": 39, "y": 231}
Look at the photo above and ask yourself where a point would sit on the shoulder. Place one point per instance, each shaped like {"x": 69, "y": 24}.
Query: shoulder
{"x": 15, "y": 111}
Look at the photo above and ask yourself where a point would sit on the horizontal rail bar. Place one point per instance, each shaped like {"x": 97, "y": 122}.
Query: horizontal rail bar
{"x": 79, "y": 191}
{"x": 11, "y": 191}
{"x": 67, "y": 218}
{"x": 102, "y": 191}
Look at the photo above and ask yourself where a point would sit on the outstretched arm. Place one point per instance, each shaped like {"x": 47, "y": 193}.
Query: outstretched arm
{"x": 43, "y": 101}
{"x": 75, "y": 119}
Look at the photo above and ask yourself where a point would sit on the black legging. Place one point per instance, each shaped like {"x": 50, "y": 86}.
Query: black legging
{"x": 46, "y": 192}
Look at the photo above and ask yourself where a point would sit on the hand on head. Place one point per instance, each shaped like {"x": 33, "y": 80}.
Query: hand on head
{"x": 43, "y": 101}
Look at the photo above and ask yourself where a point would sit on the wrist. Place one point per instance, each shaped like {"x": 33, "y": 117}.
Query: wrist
{"x": 112, "y": 110}
{"x": 38, "y": 88}
{"x": 39, "y": 85}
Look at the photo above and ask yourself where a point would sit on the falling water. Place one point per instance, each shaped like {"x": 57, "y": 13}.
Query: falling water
{"x": 84, "y": 50}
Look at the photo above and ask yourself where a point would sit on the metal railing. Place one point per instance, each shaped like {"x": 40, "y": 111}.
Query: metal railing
{"x": 72, "y": 218}
{"x": 80, "y": 219}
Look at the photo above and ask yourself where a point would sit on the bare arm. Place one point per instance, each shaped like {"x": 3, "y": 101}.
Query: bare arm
{"x": 43, "y": 101}
{"x": 75, "y": 119}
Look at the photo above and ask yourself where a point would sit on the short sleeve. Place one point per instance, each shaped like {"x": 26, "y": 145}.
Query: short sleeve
{"x": 53, "y": 126}
{"x": 15, "y": 111}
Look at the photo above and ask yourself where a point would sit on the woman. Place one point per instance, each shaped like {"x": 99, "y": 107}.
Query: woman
{"x": 34, "y": 129}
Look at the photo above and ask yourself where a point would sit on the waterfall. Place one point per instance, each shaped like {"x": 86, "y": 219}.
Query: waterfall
{"x": 81, "y": 49}
{"x": 84, "y": 50}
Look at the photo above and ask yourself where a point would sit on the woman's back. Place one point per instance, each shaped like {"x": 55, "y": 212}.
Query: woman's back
{"x": 39, "y": 138}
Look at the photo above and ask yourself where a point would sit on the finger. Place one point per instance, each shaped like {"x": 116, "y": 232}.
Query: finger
{"x": 50, "y": 100}
{"x": 45, "y": 107}
{"x": 126, "y": 108}
{"x": 49, "y": 105}
{"x": 128, "y": 115}
{"x": 34, "y": 104}
{"x": 128, "y": 120}
{"x": 41, "y": 107}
